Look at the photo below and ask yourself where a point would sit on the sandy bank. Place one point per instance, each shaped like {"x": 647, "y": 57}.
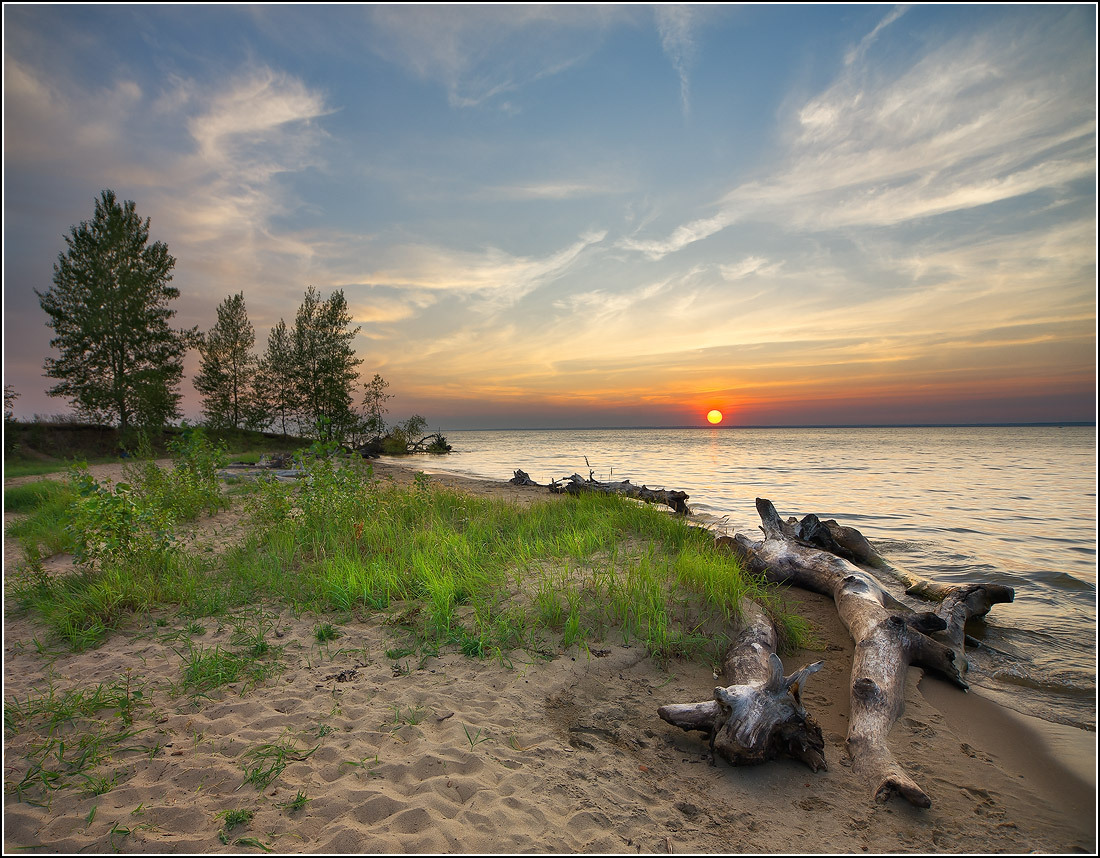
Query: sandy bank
{"x": 452, "y": 754}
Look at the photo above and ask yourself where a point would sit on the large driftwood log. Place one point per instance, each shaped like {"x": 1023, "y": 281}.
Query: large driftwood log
{"x": 760, "y": 716}
{"x": 958, "y": 603}
{"x": 577, "y": 484}
{"x": 889, "y": 636}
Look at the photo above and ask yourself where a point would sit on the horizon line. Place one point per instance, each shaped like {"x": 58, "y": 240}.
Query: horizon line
{"x": 1075, "y": 423}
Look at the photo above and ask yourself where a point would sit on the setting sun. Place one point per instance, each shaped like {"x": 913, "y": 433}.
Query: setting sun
{"x": 715, "y": 416}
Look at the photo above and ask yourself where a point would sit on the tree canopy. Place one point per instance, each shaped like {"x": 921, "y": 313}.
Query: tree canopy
{"x": 120, "y": 361}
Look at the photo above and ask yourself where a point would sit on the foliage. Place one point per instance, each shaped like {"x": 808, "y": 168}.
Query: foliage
{"x": 225, "y": 379}
{"x": 9, "y": 402}
{"x": 136, "y": 517}
{"x": 45, "y": 505}
{"x": 482, "y": 576}
{"x": 119, "y": 359}
{"x": 192, "y": 486}
{"x": 404, "y": 435}
{"x": 111, "y": 523}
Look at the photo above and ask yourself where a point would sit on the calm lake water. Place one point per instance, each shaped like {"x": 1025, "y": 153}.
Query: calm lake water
{"x": 1011, "y": 505}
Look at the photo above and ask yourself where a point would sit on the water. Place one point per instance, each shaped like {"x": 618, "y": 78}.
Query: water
{"x": 1011, "y": 505}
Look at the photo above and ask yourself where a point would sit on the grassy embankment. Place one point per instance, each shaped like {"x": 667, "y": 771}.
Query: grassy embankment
{"x": 50, "y": 446}
{"x": 442, "y": 569}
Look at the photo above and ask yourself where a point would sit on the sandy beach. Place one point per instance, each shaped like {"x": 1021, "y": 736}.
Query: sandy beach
{"x": 452, "y": 754}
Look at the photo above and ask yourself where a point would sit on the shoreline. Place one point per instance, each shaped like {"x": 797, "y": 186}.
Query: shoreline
{"x": 568, "y": 755}
{"x": 1062, "y": 756}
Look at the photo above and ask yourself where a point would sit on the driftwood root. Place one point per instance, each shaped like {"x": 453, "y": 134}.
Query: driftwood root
{"x": 760, "y": 716}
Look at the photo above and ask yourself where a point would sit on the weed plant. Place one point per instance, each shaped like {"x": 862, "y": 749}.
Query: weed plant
{"x": 264, "y": 763}
{"x": 297, "y": 803}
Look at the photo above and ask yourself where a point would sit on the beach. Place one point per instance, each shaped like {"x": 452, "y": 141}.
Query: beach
{"x": 456, "y": 754}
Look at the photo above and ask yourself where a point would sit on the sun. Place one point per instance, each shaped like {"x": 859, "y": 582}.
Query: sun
{"x": 715, "y": 416}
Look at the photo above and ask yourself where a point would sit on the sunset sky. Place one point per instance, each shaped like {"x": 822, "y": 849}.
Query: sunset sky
{"x": 582, "y": 215}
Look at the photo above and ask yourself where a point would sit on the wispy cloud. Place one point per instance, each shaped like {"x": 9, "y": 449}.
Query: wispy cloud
{"x": 252, "y": 128}
{"x": 491, "y": 272}
{"x": 682, "y": 236}
{"x": 749, "y": 266}
{"x": 979, "y": 120}
{"x": 675, "y": 25}
{"x": 252, "y": 109}
{"x": 478, "y": 53}
{"x": 554, "y": 190}
{"x": 865, "y": 43}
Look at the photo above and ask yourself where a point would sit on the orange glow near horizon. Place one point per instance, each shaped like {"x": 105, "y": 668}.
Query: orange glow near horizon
{"x": 715, "y": 416}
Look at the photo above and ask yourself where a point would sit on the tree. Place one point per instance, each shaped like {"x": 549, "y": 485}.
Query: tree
{"x": 374, "y": 406}
{"x": 324, "y": 364}
{"x": 10, "y": 396}
{"x": 228, "y": 369}
{"x": 119, "y": 359}
{"x": 274, "y": 390}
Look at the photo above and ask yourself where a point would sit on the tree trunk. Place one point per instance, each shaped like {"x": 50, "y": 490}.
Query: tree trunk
{"x": 889, "y": 636}
{"x": 577, "y": 484}
{"x": 760, "y": 716}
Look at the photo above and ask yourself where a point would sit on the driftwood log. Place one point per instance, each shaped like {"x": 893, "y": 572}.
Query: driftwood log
{"x": 889, "y": 636}
{"x": 760, "y": 716}
{"x": 577, "y": 484}
{"x": 958, "y": 603}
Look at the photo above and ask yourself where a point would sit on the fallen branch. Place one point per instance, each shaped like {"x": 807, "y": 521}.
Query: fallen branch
{"x": 889, "y": 636}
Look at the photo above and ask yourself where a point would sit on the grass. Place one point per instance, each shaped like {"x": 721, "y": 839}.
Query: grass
{"x": 474, "y": 739}
{"x": 46, "y": 504}
{"x": 264, "y": 763}
{"x": 238, "y": 816}
{"x": 483, "y": 576}
{"x": 297, "y": 803}
{"x": 19, "y": 467}
{"x": 72, "y": 737}
{"x": 443, "y": 570}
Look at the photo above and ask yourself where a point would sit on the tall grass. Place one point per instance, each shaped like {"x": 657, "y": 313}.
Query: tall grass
{"x": 46, "y": 504}
{"x": 484, "y": 576}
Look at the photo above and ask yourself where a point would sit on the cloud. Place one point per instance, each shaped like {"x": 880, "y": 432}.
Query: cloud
{"x": 985, "y": 118}
{"x": 489, "y": 272}
{"x": 248, "y": 132}
{"x": 674, "y": 25}
{"x": 554, "y": 190}
{"x": 682, "y": 236}
{"x": 252, "y": 109}
{"x": 865, "y": 43}
{"x": 48, "y": 118}
{"x": 749, "y": 266}
{"x": 478, "y": 53}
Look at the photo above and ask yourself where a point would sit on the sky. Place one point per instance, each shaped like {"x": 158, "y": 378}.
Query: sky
{"x": 580, "y": 215}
